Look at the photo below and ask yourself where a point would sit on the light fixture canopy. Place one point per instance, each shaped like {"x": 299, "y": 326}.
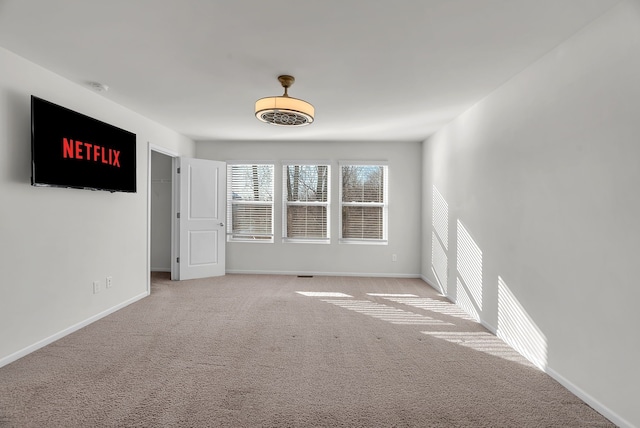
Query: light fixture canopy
{"x": 285, "y": 110}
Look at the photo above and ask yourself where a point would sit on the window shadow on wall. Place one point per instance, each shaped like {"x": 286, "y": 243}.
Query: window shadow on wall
{"x": 515, "y": 326}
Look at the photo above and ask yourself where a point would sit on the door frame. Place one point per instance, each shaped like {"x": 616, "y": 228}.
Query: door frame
{"x": 174, "y": 210}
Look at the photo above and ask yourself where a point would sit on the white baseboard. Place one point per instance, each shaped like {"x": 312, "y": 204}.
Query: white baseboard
{"x": 584, "y": 396}
{"x": 431, "y": 284}
{"x": 323, "y": 273}
{"x": 44, "y": 342}
{"x": 160, "y": 269}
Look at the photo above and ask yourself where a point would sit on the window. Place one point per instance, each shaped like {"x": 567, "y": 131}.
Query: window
{"x": 305, "y": 195}
{"x": 363, "y": 203}
{"x": 250, "y": 202}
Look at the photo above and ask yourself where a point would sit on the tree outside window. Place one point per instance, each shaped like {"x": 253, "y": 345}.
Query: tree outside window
{"x": 364, "y": 205}
{"x": 250, "y": 202}
{"x": 306, "y": 202}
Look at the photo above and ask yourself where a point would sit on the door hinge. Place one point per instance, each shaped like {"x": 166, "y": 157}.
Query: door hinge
{"x": 177, "y": 259}
{"x": 178, "y": 215}
{"x": 178, "y": 170}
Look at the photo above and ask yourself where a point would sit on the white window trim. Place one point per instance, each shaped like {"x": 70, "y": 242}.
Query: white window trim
{"x": 270, "y": 239}
{"x": 384, "y": 205}
{"x": 286, "y": 203}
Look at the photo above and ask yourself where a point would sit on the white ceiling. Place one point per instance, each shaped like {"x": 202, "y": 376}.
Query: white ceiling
{"x": 374, "y": 70}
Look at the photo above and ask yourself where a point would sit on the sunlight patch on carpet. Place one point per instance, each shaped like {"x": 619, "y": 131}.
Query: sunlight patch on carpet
{"x": 483, "y": 342}
{"x": 322, "y": 294}
{"x": 386, "y": 313}
{"x": 439, "y": 306}
{"x": 390, "y": 295}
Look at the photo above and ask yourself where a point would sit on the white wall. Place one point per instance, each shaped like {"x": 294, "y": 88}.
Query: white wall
{"x": 348, "y": 259}
{"x": 543, "y": 175}
{"x": 161, "y": 195}
{"x": 55, "y": 242}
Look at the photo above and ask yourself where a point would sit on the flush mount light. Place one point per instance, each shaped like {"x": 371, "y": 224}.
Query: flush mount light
{"x": 285, "y": 110}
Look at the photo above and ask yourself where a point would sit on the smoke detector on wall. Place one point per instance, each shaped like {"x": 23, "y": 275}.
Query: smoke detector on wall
{"x": 98, "y": 87}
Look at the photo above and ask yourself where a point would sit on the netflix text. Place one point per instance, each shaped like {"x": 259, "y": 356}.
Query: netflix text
{"x": 91, "y": 152}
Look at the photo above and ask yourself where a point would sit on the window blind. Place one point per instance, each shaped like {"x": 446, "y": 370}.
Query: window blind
{"x": 364, "y": 205}
{"x": 250, "y": 202}
{"x": 306, "y": 202}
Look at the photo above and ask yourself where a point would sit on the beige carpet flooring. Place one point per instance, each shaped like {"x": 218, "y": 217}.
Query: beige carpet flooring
{"x": 251, "y": 351}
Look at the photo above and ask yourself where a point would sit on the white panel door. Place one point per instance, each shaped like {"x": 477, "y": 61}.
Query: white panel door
{"x": 202, "y": 214}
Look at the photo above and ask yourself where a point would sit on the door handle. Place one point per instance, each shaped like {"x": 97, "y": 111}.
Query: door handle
{"x": 221, "y": 224}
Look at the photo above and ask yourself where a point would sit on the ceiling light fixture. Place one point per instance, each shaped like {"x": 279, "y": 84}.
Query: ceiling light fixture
{"x": 285, "y": 110}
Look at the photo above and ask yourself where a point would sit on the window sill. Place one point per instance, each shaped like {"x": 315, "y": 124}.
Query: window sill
{"x": 251, "y": 241}
{"x": 364, "y": 241}
{"x": 305, "y": 241}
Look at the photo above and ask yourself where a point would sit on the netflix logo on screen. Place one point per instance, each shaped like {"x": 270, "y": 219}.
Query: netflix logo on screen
{"x": 69, "y": 149}
{"x": 87, "y": 151}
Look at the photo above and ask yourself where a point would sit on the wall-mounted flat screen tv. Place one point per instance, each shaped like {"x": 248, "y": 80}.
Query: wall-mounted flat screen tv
{"x": 69, "y": 149}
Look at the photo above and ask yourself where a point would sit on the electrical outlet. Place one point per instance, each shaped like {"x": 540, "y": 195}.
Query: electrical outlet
{"x": 96, "y": 287}
{"x": 109, "y": 282}
{"x": 394, "y": 257}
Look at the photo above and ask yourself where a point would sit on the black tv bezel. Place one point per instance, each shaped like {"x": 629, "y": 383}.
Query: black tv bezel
{"x": 39, "y": 182}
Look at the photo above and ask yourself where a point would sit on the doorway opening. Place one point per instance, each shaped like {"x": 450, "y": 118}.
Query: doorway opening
{"x": 161, "y": 209}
